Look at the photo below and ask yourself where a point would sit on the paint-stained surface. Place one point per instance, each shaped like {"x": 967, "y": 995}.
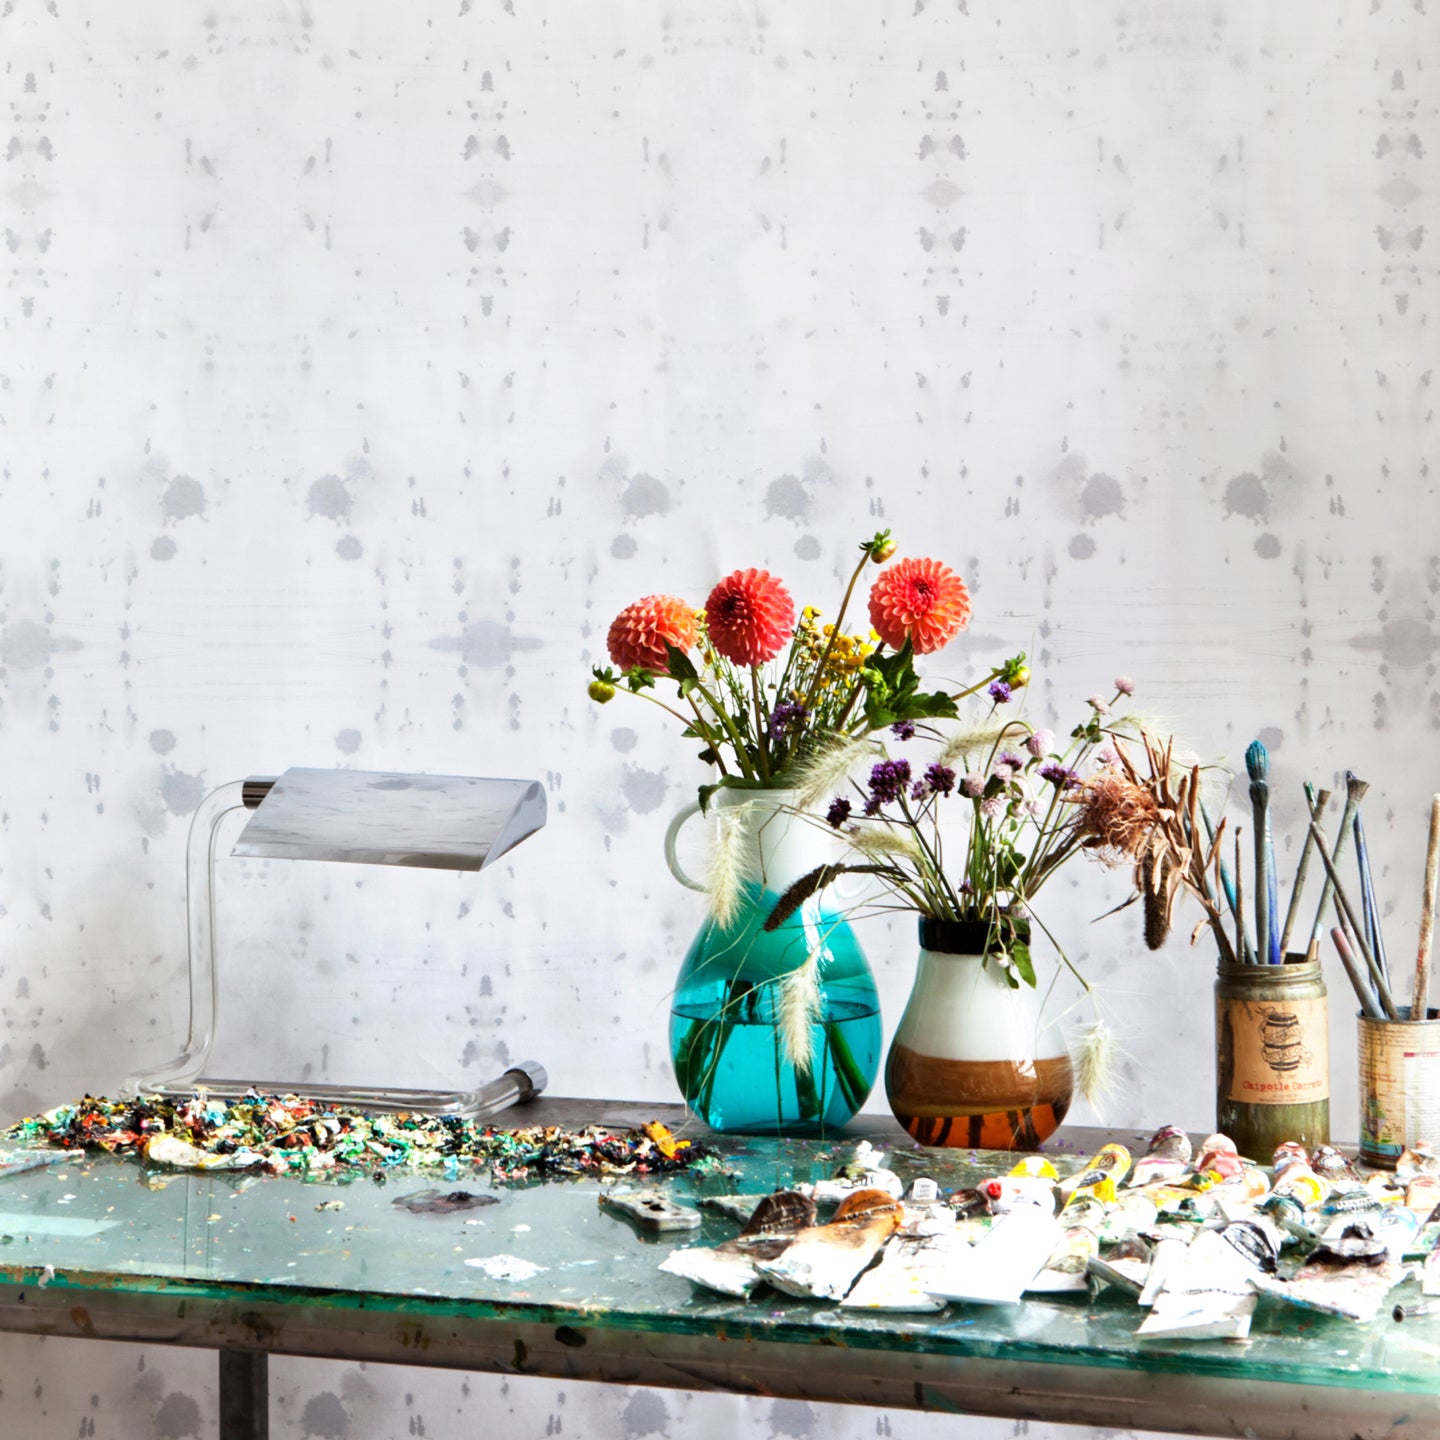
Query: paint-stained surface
{"x": 358, "y": 362}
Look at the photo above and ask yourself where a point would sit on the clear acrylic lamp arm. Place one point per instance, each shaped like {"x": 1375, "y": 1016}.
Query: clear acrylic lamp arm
{"x": 447, "y": 822}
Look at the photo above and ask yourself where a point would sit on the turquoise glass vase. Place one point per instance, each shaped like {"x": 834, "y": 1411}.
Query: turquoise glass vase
{"x": 750, "y": 1055}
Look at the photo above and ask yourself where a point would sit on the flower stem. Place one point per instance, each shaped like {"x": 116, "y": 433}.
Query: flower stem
{"x": 762, "y": 737}
{"x": 830, "y": 646}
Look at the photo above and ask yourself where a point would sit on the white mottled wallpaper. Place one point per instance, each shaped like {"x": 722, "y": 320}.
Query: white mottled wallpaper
{"x": 359, "y": 361}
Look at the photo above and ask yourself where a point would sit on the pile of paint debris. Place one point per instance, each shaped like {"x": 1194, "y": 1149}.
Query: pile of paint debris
{"x": 1197, "y": 1238}
{"x": 288, "y": 1134}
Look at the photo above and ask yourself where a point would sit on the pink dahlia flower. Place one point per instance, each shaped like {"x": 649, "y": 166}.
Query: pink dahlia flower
{"x": 919, "y": 600}
{"x": 639, "y": 633}
{"x": 750, "y": 616}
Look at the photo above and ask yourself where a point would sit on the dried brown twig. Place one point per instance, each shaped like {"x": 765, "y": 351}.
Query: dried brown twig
{"x": 1153, "y": 818}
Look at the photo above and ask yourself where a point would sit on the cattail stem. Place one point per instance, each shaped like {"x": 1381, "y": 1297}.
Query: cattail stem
{"x": 1419, "y": 1005}
{"x": 1317, "y": 804}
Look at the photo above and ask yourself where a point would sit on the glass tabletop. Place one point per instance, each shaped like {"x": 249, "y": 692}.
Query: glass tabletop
{"x": 549, "y": 1251}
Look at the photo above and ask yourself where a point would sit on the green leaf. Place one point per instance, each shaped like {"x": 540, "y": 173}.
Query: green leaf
{"x": 1007, "y": 866}
{"x": 1020, "y": 954}
{"x": 706, "y": 791}
{"x": 680, "y": 665}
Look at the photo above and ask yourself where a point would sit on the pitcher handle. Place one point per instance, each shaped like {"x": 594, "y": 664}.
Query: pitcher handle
{"x": 672, "y": 833}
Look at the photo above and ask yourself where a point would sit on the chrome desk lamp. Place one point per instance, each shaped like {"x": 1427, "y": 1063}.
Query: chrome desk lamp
{"x": 440, "y": 822}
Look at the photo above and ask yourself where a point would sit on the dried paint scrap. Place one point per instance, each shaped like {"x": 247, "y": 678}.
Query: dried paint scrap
{"x": 443, "y": 1202}
{"x": 505, "y": 1267}
{"x": 289, "y": 1134}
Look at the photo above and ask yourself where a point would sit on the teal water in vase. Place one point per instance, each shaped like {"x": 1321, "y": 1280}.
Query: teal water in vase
{"x": 730, "y": 1062}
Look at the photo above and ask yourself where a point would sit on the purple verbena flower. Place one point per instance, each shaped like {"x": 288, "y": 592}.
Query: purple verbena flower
{"x": 1063, "y": 777}
{"x": 939, "y": 778}
{"x": 839, "y": 812}
{"x": 787, "y": 716}
{"x": 903, "y": 729}
{"x": 1013, "y": 761}
{"x": 888, "y": 780}
{"x": 1040, "y": 743}
{"x": 1124, "y": 684}
{"x": 999, "y": 692}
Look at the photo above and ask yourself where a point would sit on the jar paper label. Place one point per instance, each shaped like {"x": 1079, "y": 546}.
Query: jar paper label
{"x": 1273, "y": 1052}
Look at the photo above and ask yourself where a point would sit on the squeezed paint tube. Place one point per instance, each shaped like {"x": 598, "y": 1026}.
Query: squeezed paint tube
{"x": 1333, "y": 1285}
{"x": 1132, "y": 1214}
{"x": 1169, "y": 1253}
{"x": 851, "y": 1182}
{"x": 1127, "y": 1267}
{"x": 1066, "y": 1269}
{"x": 901, "y": 1281}
{"x": 730, "y": 1268}
{"x": 1110, "y": 1162}
{"x": 997, "y": 1269}
{"x": 1005, "y": 1192}
{"x": 822, "y": 1261}
{"x": 1209, "y": 1295}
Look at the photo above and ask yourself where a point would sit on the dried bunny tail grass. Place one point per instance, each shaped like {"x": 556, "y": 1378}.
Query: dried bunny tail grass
{"x": 1098, "y": 1063}
{"x": 826, "y": 771}
{"x": 726, "y": 878}
{"x": 886, "y": 840}
{"x": 984, "y": 736}
{"x": 797, "y": 1010}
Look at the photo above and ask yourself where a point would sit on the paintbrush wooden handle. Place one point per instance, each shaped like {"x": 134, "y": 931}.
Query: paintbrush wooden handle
{"x": 1349, "y": 920}
{"x": 1317, "y": 804}
{"x": 1419, "y": 1005}
{"x": 1363, "y": 993}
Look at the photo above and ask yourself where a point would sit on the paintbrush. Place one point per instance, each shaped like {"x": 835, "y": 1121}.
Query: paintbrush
{"x": 1267, "y": 937}
{"x": 1244, "y": 941}
{"x": 1354, "y": 793}
{"x": 1317, "y": 804}
{"x": 1352, "y": 929}
{"x": 1363, "y": 993}
{"x": 1368, "y": 904}
{"x": 1420, "y": 1003}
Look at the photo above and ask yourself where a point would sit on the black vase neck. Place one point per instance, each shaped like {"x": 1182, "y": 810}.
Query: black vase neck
{"x": 970, "y": 937}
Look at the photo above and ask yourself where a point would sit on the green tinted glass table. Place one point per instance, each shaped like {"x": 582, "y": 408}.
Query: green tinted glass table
{"x": 100, "y": 1248}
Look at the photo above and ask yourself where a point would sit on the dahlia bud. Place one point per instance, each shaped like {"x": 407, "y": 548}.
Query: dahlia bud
{"x": 881, "y": 548}
{"x": 602, "y": 692}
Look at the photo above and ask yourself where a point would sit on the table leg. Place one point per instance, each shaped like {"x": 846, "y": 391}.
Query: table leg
{"x": 244, "y": 1395}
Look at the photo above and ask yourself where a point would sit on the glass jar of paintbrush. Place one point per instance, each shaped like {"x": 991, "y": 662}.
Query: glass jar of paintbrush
{"x": 1272, "y": 1045}
{"x": 1272, "y": 1055}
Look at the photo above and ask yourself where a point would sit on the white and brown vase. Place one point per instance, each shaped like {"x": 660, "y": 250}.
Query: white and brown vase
{"x": 972, "y": 1062}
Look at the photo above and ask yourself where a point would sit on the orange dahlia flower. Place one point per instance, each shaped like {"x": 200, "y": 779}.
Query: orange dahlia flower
{"x": 639, "y": 633}
{"x": 750, "y": 616}
{"x": 919, "y": 600}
